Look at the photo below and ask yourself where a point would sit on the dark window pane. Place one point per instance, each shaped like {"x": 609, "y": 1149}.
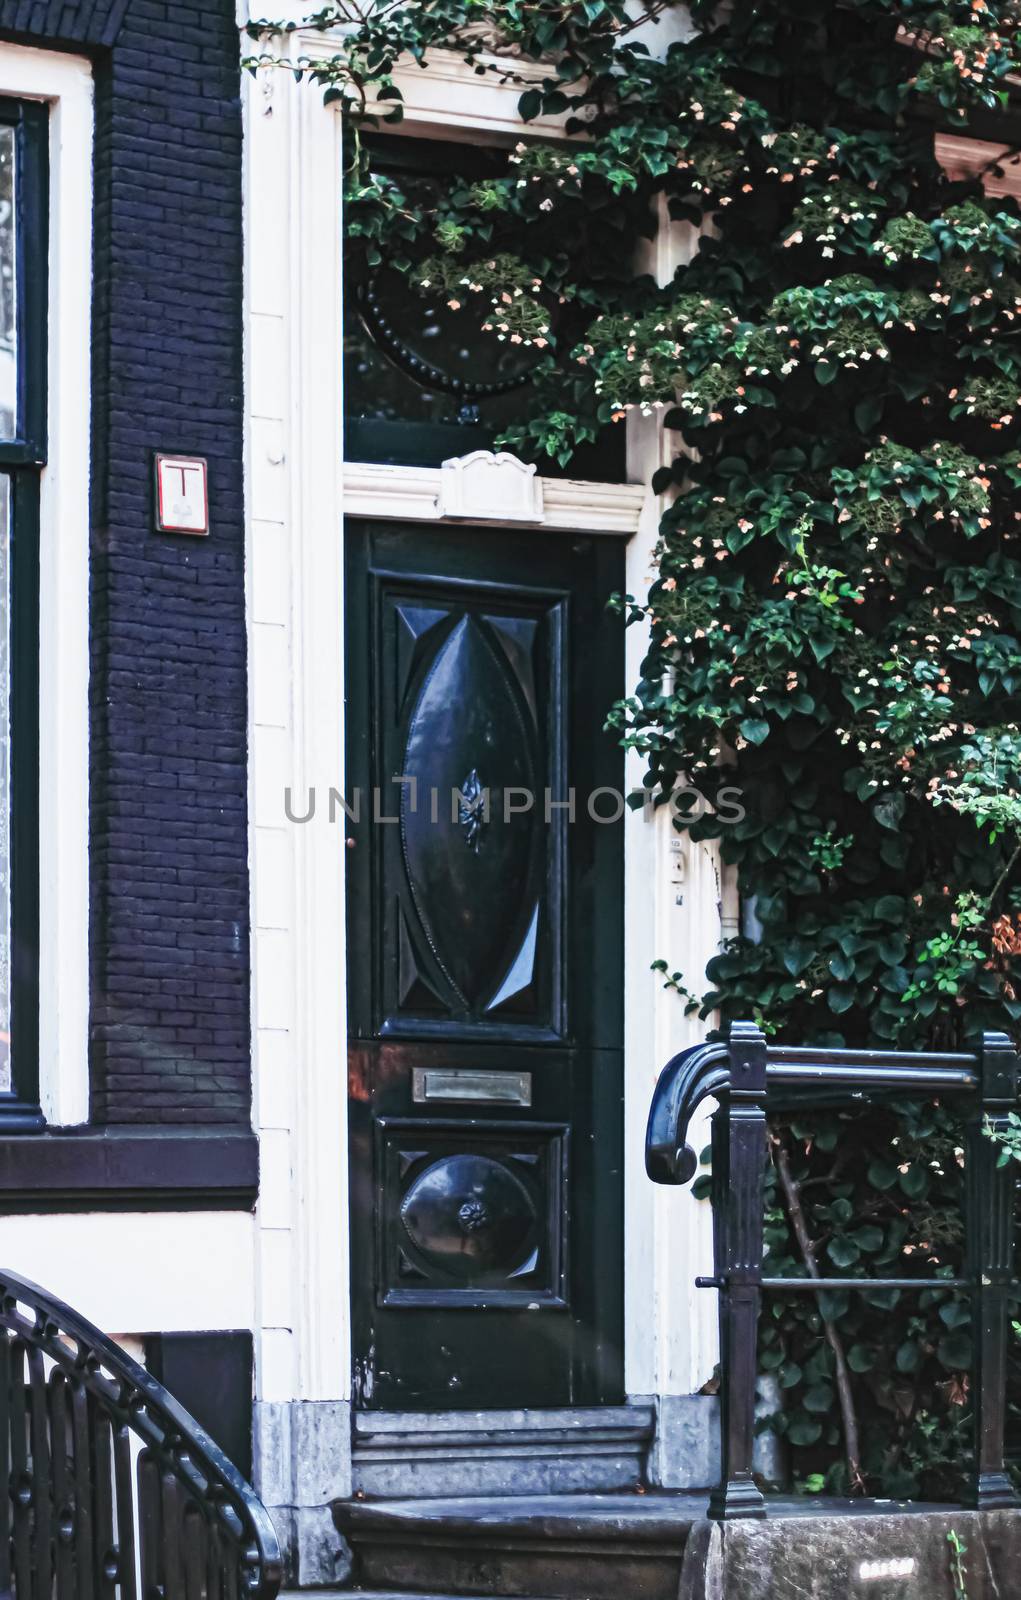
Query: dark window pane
{"x": 6, "y": 1077}
{"x": 423, "y": 382}
{"x": 8, "y": 287}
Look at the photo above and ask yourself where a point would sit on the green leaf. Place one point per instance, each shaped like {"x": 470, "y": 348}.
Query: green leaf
{"x": 909, "y": 1356}
{"x": 889, "y": 811}
{"x": 818, "y": 1399}
{"x": 893, "y": 949}
{"x": 840, "y": 998}
{"x": 804, "y": 1431}
{"x": 754, "y": 729}
{"x": 843, "y": 1252}
{"x": 797, "y": 955}
{"x": 833, "y": 1303}
{"x": 882, "y": 1174}
{"x": 868, "y": 413}
{"x": 914, "y": 1182}
{"x": 954, "y": 1351}
{"x": 868, "y": 1238}
{"x": 889, "y": 908}
{"x": 860, "y": 1358}
{"x": 955, "y": 1314}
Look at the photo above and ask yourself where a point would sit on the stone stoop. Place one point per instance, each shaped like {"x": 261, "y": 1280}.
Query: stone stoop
{"x": 554, "y": 1547}
{"x": 659, "y": 1546}
{"x": 875, "y": 1550}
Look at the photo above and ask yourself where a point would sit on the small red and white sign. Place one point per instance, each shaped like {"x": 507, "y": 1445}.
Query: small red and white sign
{"x": 182, "y": 494}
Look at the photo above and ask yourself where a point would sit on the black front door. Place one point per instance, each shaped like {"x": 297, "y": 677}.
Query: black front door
{"x": 485, "y": 967}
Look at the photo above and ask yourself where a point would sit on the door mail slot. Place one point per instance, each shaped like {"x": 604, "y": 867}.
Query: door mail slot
{"x": 431, "y": 1084}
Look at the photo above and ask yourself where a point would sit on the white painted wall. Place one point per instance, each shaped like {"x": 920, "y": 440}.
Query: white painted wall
{"x": 137, "y": 1273}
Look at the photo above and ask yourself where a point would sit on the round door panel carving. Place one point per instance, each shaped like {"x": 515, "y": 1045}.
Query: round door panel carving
{"x": 468, "y": 1215}
{"x": 469, "y": 866}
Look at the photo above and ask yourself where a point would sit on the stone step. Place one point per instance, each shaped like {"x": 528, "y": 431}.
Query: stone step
{"x": 572, "y": 1450}
{"x": 401, "y": 1594}
{"x": 529, "y": 1547}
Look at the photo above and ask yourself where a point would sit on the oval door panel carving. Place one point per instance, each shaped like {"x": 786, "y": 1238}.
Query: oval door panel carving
{"x": 468, "y": 1214}
{"x": 468, "y": 867}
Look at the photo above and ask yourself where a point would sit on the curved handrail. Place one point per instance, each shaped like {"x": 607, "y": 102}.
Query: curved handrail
{"x": 686, "y": 1080}
{"x": 825, "y": 1074}
{"x": 207, "y": 1530}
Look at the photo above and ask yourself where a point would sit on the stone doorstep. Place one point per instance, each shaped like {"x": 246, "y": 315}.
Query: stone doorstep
{"x": 409, "y": 1455}
{"x": 658, "y": 1545}
{"x": 569, "y": 1546}
{"x": 635, "y": 1419}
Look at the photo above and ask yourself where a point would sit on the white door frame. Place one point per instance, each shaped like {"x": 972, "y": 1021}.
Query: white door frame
{"x": 298, "y": 493}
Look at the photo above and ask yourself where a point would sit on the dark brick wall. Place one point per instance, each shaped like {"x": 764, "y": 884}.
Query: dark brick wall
{"x": 169, "y": 931}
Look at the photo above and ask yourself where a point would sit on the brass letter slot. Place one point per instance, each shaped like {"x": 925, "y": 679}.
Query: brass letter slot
{"x": 469, "y": 1083}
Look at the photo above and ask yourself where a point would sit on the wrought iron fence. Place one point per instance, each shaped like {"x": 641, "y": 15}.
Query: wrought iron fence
{"x": 747, "y": 1075}
{"x": 115, "y": 1492}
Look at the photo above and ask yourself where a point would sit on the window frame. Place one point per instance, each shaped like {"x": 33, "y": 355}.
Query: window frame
{"x": 21, "y": 459}
{"x": 30, "y": 120}
{"x": 19, "y": 1106}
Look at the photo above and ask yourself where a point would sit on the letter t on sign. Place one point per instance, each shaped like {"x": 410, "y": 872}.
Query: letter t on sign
{"x": 182, "y": 495}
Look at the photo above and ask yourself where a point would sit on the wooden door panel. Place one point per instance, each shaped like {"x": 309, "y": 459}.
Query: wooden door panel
{"x": 484, "y": 970}
{"x": 467, "y": 720}
{"x": 472, "y": 1213}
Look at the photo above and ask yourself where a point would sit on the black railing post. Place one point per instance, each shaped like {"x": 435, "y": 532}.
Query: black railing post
{"x": 739, "y": 1157}
{"x": 990, "y": 1249}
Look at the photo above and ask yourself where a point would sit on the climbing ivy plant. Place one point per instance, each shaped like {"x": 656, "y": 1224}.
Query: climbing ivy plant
{"x": 835, "y": 620}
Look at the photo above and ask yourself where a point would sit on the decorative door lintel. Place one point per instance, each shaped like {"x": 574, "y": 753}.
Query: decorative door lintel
{"x": 496, "y": 489}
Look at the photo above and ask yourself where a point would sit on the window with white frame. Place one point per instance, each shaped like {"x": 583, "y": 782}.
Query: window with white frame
{"x": 23, "y": 279}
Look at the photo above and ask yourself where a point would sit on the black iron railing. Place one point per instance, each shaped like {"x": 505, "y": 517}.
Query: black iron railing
{"x": 747, "y": 1075}
{"x": 109, "y": 1490}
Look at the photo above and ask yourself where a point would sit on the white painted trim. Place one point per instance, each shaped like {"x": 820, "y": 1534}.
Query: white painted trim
{"x": 674, "y": 907}
{"x": 964, "y": 158}
{"x": 66, "y": 83}
{"x": 449, "y": 100}
{"x": 321, "y": 1015}
{"x": 411, "y": 494}
{"x": 295, "y": 608}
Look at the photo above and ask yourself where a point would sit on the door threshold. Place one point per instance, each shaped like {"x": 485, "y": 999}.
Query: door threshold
{"x": 549, "y": 1450}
